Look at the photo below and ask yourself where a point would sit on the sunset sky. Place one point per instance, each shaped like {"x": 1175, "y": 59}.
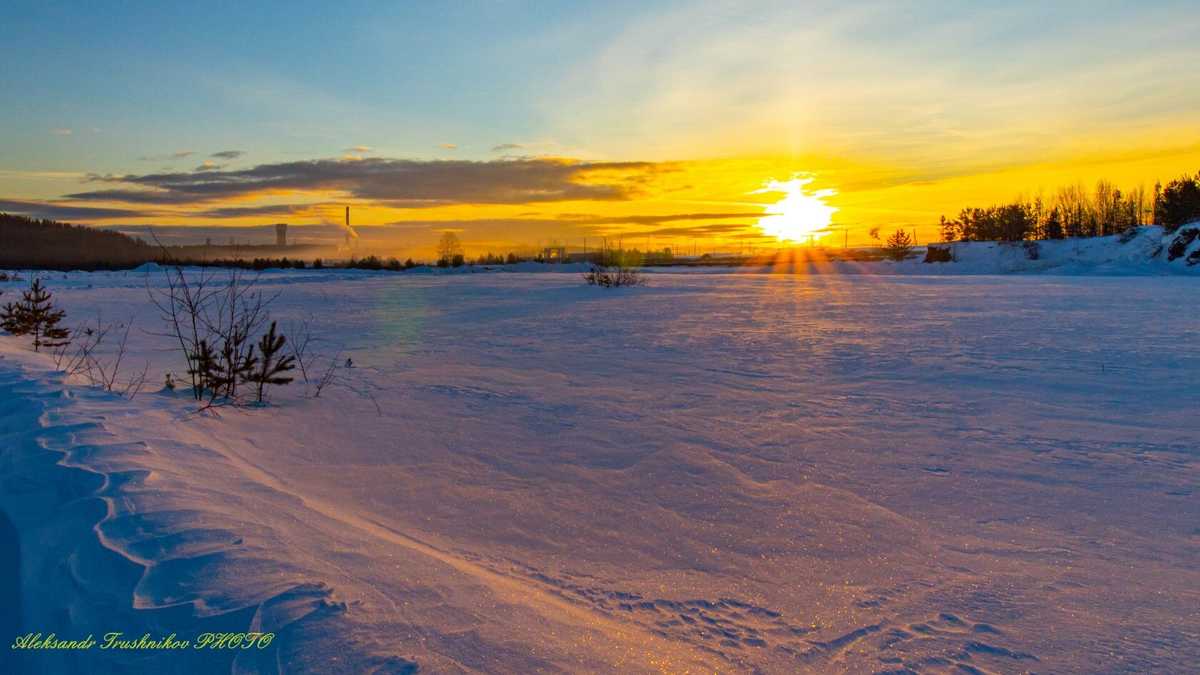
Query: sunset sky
{"x": 519, "y": 123}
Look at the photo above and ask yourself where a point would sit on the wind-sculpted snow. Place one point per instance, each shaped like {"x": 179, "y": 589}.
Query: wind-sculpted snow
{"x": 128, "y": 536}
{"x": 712, "y": 473}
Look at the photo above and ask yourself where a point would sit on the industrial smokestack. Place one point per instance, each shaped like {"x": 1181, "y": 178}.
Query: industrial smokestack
{"x": 349, "y": 230}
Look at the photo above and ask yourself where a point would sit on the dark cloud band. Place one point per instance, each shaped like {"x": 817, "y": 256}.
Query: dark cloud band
{"x": 394, "y": 182}
{"x": 48, "y": 211}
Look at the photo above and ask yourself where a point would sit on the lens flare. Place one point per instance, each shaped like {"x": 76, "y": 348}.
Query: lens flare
{"x": 802, "y": 214}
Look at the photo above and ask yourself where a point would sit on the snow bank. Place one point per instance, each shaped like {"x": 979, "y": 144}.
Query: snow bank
{"x": 1138, "y": 252}
{"x": 1141, "y": 252}
{"x": 143, "y": 536}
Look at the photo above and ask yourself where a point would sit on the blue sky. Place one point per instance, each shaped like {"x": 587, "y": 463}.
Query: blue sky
{"x": 283, "y": 79}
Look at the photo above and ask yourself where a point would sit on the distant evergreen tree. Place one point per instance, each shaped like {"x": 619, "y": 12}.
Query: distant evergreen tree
{"x": 36, "y": 315}
{"x": 898, "y": 245}
{"x": 950, "y": 230}
{"x": 1053, "y": 229}
{"x": 1178, "y": 203}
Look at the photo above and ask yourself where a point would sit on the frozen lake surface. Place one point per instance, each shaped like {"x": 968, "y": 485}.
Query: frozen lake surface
{"x": 713, "y": 473}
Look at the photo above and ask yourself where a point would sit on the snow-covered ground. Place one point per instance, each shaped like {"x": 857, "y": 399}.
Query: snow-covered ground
{"x": 711, "y": 473}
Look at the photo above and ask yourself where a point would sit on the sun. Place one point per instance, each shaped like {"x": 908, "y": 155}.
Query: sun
{"x": 802, "y": 214}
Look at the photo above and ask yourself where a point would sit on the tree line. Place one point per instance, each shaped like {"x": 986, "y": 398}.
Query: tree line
{"x": 29, "y": 243}
{"x": 1075, "y": 211}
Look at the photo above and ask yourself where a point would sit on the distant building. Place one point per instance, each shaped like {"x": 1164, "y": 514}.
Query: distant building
{"x": 281, "y": 234}
{"x": 584, "y": 257}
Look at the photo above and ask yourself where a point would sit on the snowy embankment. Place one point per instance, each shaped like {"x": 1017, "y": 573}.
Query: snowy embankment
{"x": 731, "y": 473}
{"x": 132, "y": 533}
{"x": 1145, "y": 251}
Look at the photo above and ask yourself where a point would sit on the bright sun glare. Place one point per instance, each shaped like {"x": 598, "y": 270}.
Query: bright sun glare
{"x": 801, "y": 214}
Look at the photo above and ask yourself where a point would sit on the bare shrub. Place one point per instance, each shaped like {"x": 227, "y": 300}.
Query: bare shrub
{"x": 302, "y": 347}
{"x": 306, "y": 349}
{"x": 616, "y": 268}
{"x": 83, "y": 358}
{"x": 326, "y": 376}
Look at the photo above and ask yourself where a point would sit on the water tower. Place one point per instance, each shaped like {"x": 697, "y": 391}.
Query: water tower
{"x": 281, "y": 234}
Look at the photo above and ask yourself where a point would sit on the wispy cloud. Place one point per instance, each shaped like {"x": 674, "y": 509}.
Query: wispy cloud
{"x": 13, "y": 174}
{"x": 173, "y": 155}
{"x": 267, "y": 210}
{"x": 448, "y": 146}
{"x": 638, "y": 219}
{"x": 62, "y": 132}
{"x": 360, "y": 148}
{"x": 228, "y": 154}
{"x": 505, "y": 147}
{"x": 933, "y": 86}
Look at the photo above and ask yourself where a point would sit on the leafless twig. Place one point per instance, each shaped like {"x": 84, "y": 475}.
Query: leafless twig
{"x": 327, "y": 376}
{"x": 87, "y": 361}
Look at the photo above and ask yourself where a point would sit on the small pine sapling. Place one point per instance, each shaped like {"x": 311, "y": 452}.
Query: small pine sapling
{"x": 235, "y": 363}
{"x": 202, "y": 366}
{"x": 36, "y": 315}
{"x": 12, "y": 319}
{"x": 272, "y": 362}
{"x": 898, "y": 245}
